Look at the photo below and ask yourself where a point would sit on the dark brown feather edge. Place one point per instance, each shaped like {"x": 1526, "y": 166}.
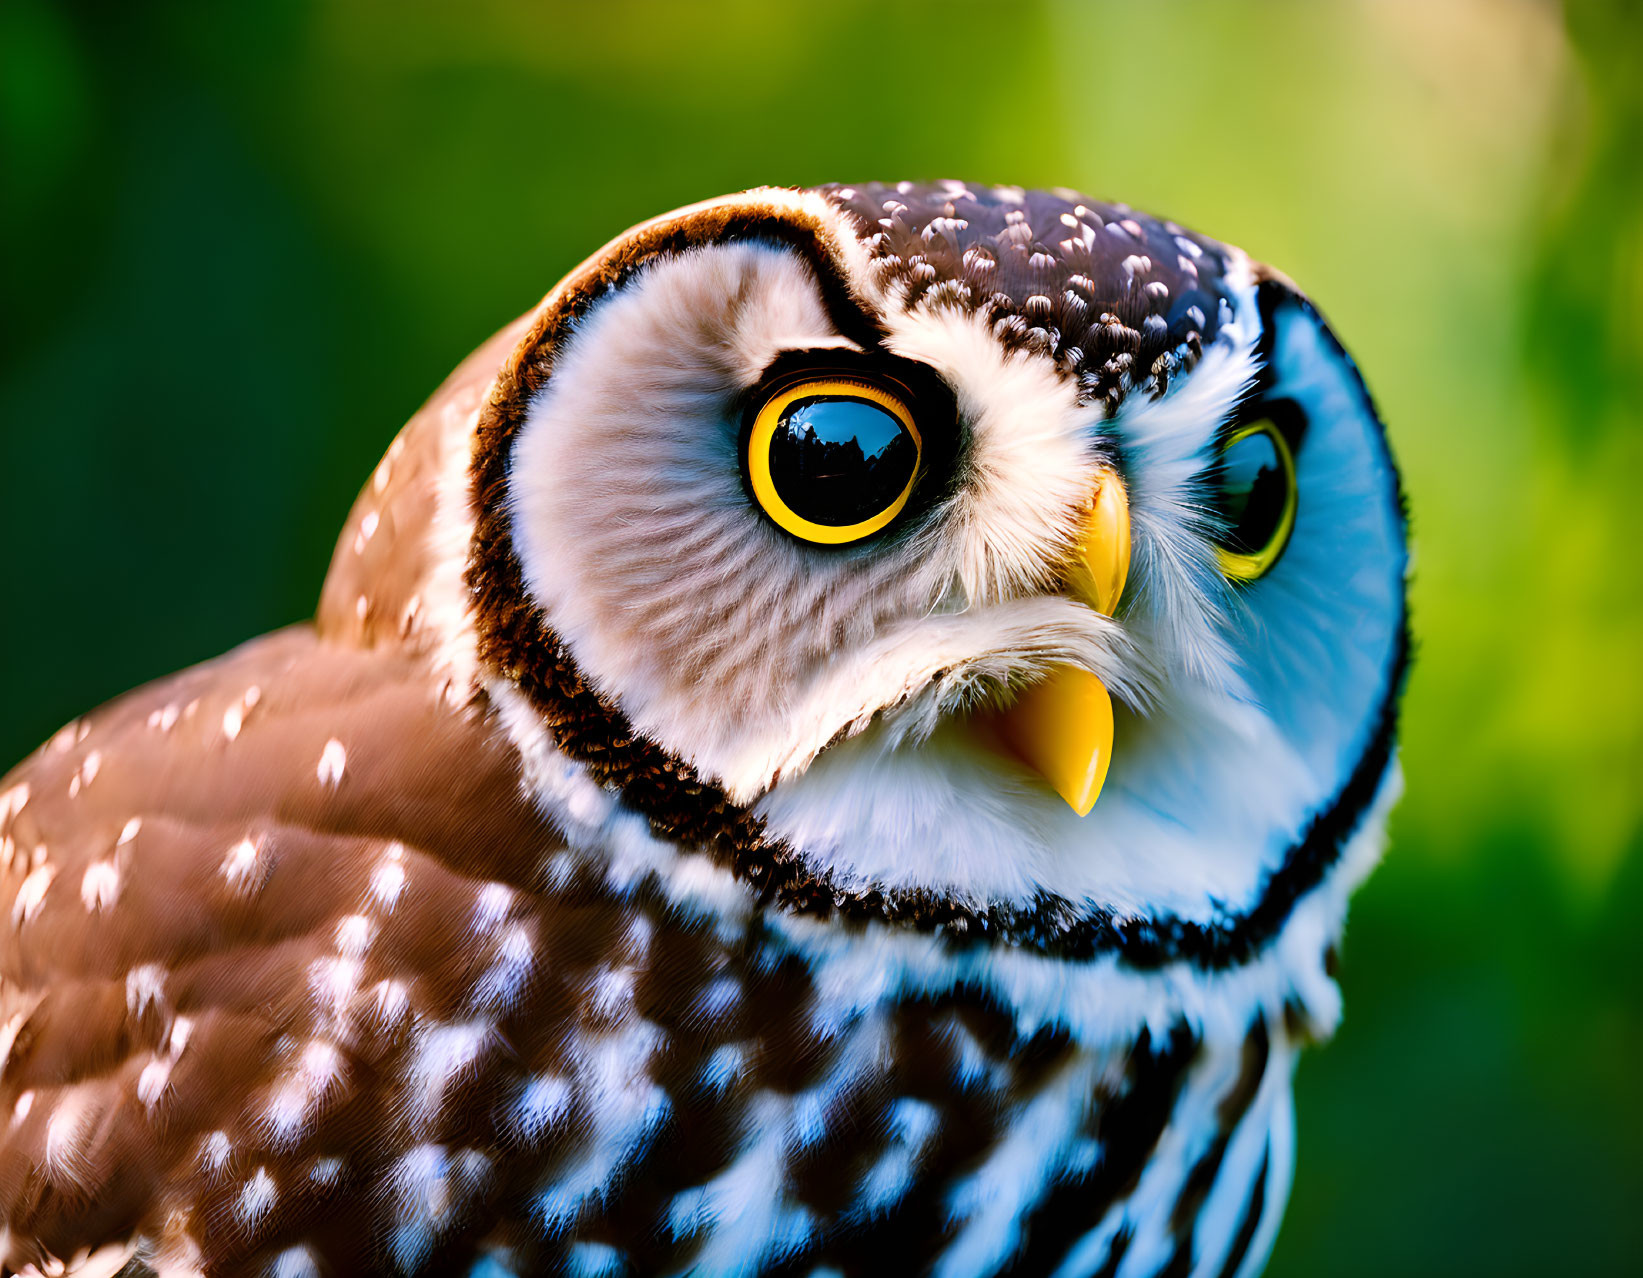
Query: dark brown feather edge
{"x": 515, "y": 641}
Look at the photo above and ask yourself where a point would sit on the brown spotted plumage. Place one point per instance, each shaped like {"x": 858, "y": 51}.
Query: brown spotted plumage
{"x": 410, "y": 941}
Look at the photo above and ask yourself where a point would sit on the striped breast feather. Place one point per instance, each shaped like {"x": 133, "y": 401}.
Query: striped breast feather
{"x": 1182, "y": 1169}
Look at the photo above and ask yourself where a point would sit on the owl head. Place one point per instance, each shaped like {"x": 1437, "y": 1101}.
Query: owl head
{"x": 992, "y": 563}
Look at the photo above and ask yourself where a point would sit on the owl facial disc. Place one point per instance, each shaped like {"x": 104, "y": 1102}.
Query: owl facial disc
{"x": 1062, "y": 726}
{"x": 803, "y": 525}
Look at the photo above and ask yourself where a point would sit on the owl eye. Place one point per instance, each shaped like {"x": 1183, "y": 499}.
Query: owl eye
{"x": 833, "y": 460}
{"x": 1257, "y": 500}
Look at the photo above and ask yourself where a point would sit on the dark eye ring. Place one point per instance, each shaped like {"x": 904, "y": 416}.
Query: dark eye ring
{"x": 1259, "y": 493}
{"x": 833, "y": 459}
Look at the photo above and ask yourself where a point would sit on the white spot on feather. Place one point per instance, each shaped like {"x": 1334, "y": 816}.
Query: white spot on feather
{"x": 129, "y": 831}
{"x": 354, "y": 935}
{"x": 8, "y": 1036}
{"x": 214, "y": 1151}
{"x": 612, "y": 992}
{"x": 145, "y": 988}
{"x": 151, "y": 1083}
{"x": 720, "y": 997}
{"x": 295, "y": 1262}
{"x": 66, "y": 1132}
{"x": 637, "y": 937}
{"x": 504, "y": 981}
{"x": 25, "y": 1102}
{"x": 743, "y": 1212}
{"x": 723, "y": 1068}
{"x": 390, "y": 1000}
{"x": 888, "y": 1180}
{"x": 430, "y": 1187}
{"x": 332, "y": 760}
{"x": 441, "y": 1055}
{"x": 100, "y": 886}
{"x": 257, "y": 1198}
{"x": 596, "y": 1260}
{"x": 387, "y": 881}
{"x": 494, "y": 902}
{"x": 243, "y": 867}
{"x": 318, "y": 1073}
{"x": 367, "y": 530}
{"x": 233, "y": 718}
{"x": 544, "y": 1100}
{"x": 333, "y": 982}
{"x": 31, "y": 893}
{"x": 626, "y": 1108}
{"x": 13, "y": 801}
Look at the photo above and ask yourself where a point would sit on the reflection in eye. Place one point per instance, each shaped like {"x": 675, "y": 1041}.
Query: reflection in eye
{"x": 1257, "y": 500}
{"x": 833, "y": 460}
{"x": 840, "y": 461}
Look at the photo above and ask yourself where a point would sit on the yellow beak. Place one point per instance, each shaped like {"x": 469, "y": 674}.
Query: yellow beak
{"x": 1061, "y": 727}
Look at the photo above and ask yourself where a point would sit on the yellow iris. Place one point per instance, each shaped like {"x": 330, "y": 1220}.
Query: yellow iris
{"x": 772, "y": 429}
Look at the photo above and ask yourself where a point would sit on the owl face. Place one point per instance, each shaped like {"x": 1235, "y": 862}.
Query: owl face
{"x": 985, "y": 560}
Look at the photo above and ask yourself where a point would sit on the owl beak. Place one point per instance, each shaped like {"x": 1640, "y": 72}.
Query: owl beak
{"x": 1061, "y": 727}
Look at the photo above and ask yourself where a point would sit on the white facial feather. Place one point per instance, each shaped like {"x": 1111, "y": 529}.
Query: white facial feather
{"x": 1031, "y": 466}
{"x": 719, "y": 635}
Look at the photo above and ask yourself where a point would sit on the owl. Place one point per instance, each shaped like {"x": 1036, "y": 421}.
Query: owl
{"x": 838, "y": 744}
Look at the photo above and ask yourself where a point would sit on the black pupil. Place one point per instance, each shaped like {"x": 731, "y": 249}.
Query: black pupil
{"x": 839, "y": 461}
{"x": 1253, "y": 493}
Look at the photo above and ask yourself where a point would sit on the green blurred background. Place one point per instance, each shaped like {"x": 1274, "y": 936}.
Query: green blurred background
{"x": 243, "y": 242}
